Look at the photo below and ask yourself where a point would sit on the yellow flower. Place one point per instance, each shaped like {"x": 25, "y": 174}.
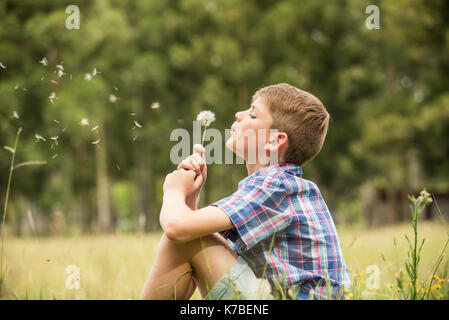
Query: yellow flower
{"x": 350, "y": 296}
{"x": 364, "y": 262}
{"x": 436, "y": 287}
{"x": 362, "y": 282}
{"x": 389, "y": 285}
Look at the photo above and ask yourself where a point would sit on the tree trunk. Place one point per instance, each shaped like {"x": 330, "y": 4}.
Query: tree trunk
{"x": 103, "y": 205}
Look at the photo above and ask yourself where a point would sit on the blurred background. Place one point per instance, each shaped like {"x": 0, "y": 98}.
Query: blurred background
{"x": 100, "y": 108}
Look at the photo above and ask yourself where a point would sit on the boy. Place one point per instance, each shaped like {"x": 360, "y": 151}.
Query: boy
{"x": 276, "y": 226}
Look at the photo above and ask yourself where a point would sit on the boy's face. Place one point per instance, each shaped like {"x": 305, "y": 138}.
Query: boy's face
{"x": 247, "y": 137}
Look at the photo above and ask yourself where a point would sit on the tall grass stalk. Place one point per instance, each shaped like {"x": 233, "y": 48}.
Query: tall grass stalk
{"x": 414, "y": 254}
{"x": 5, "y": 208}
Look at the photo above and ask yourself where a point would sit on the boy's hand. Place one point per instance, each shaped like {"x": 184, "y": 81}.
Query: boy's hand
{"x": 182, "y": 181}
{"x": 196, "y": 163}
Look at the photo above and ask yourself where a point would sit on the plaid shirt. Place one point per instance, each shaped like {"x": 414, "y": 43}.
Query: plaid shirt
{"x": 276, "y": 209}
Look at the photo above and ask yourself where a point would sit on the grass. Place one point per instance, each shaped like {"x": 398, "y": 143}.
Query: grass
{"x": 116, "y": 266}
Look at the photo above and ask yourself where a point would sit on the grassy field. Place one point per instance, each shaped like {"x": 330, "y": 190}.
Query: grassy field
{"x": 115, "y": 266}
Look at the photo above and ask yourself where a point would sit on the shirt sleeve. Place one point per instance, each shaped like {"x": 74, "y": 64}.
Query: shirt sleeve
{"x": 256, "y": 211}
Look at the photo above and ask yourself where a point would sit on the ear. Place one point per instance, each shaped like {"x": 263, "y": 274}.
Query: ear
{"x": 277, "y": 143}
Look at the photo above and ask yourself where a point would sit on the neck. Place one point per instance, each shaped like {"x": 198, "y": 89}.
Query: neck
{"x": 254, "y": 168}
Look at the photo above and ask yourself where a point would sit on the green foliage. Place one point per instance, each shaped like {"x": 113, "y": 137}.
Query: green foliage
{"x": 386, "y": 91}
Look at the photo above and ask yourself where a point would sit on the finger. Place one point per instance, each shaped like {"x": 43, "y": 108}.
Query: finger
{"x": 195, "y": 163}
{"x": 199, "y": 149}
{"x": 186, "y": 165}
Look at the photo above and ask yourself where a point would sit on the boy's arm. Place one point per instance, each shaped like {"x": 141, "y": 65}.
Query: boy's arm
{"x": 182, "y": 224}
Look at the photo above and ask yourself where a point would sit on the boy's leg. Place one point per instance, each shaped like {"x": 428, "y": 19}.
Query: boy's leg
{"x": 200, "y": 262}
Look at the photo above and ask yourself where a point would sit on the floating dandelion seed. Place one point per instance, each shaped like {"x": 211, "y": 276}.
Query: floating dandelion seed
{"x": 54, "y": 156}
{"x": 55, "y": 139}
{"x": 44, "y": 61}
{"x": 132, "y": 113}
{"x": 95, "y": 142}
{"x": 42, "y": 78}
{"x": 118, "y": 167}
{"x": 39, "y": 137}
{"x": 9, "y": 149}
{"x": 52, "y": 97}
{"x": 206, "y": 118}
{"x": 112, "y": 98}
{"x": 95, "y": 128}
{"x": 2, "y": 66}
{"x": 155, "y": 105}
{"x": 55, "y": 82}
{"x": 84, "y": 122}
{"x": 70, "y": 77}
{"x": 134, "y": 139}
{"x": 57, "y": 121}
{"x": 15, "y": 115}
{"x": 88, "y": 77}
{"x": 16, "y": 87}
{"x": 137, "y": 125}
{"x": 95, "y": 72}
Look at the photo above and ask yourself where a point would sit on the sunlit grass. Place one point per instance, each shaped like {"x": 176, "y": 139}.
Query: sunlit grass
{"x": 116, "y": 266}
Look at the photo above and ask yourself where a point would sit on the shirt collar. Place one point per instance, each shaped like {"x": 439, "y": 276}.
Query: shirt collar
{"x": 284, "y": 166}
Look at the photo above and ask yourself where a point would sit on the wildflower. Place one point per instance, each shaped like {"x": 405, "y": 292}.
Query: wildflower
{"x": 389, "y": 285}
{"x": 96, "y": 142}
{"x": 44, "y": 61}
{"x": 39, "y": 137}
{"x": 84, "y": 122}
{"x": 350, "y": 296}
{"x": 137, "y": 125}
{"x": 88, "y": 77}
{"x": 60, "y": 67}
{"x": 60, "y": 73}
{"x": 112, "y": 98}
{"x": 206, "y": 118}
{"x": 9, "y": 149}
{"x": 2, "y": 65}
{"x": 424, "y": 197}
{"x": 52, "y": 97}
{"x": 155, "y": 105}
{"x": 15, "y": 115}
{"x": 436, "y": 287}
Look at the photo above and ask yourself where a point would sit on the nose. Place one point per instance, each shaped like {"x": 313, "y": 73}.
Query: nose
{"x": 238, "y": 116}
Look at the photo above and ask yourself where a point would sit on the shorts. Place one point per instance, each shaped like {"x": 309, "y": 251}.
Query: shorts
{"x": 240, "y": 283}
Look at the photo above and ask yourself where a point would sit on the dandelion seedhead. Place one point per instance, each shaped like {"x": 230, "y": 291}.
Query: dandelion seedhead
{"x": 206, "y": 118}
